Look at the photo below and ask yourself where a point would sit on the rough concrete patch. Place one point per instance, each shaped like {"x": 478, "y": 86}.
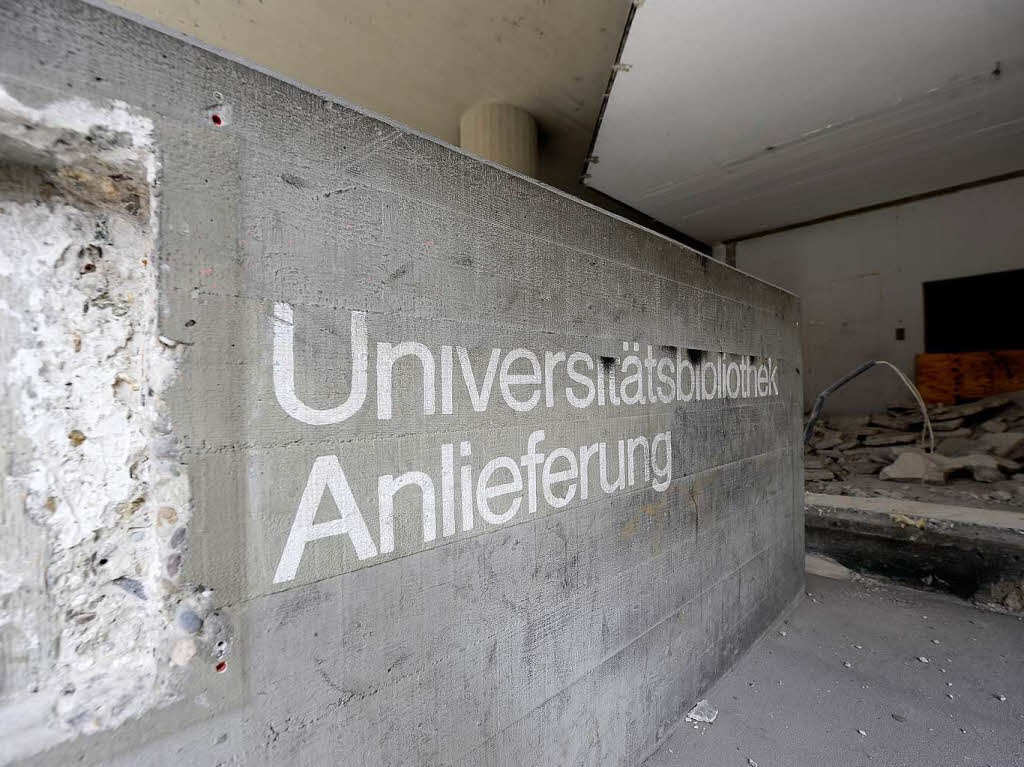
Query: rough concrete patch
{"x": 58, "y": 166}
{"x": 87, "y": 598}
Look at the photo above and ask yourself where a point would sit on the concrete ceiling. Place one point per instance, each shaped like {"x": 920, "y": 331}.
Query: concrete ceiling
{"x": 732, "y": 117}
{"x": 424, "y": 62}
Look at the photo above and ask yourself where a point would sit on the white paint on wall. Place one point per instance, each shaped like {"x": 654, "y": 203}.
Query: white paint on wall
{"x": 521, "y": 381}
{"x": 284, "y": 371}
{"x": 717, "y": 377}
{"x": 861, "y": 277}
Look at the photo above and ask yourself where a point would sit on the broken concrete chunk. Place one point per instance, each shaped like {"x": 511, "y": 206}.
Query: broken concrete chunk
{"x": 1006, "y": 444}
{"x": 961, "y": 432}
{"x": 891, "y": 438}
{"x": 864, "y": 466}
{"x": 959, "y": 446}
{"x": 827, "y": 440}
{"x": 984, "y": 468}
{"x": 916, "y": 467}
{"x": 847, "y": 423}
{"x": 887, "y": 421}
{"x": 864, "y": 431}
{"x": 979, "y": 441}
{"x": 885, "y": 454}
{"x": 818, "y": 475}
{"x": 818, "y": 564}
{"x": 968, "y": 409}
{"x": 702, "y": 712}
{"x": 1006, "y": 464}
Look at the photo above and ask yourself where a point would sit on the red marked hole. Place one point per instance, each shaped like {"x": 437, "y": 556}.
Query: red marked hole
{"x": 220, "y": 667}
{"x": 216, "y": 119}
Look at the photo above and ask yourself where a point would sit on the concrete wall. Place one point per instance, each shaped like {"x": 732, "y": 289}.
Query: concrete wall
{"x": 315, "y": 446}
{"x": 861, "y": 277}
{"x": 425, "y": 64}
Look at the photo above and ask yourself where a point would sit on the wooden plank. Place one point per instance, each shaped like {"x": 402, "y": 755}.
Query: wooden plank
{"x": 952, "y": 378}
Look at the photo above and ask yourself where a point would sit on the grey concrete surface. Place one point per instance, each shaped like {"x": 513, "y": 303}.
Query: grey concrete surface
{"x": 364, "y": 340}
{"x": 792, "y": 700}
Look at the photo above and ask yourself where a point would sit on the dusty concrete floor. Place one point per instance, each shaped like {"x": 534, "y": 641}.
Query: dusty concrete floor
{"x": 792, "y": 701}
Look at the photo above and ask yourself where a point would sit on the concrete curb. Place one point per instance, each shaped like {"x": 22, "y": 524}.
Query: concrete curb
{"x": 961, "y": 548}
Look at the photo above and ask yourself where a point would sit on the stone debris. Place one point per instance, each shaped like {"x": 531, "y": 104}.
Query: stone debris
{"x": 954, "y": 446}
{"x": 848, "y": 423}
{"x": 891, "y": 438}
{"x": 1004, "y": 595}
{"x": 702, "y": 712}
{"x": 916, "y": 467}
{"x": 814, "y": 475}
{"x": 944, "y": 413}
{"x": 818, "y": 564}
{"x": 984, "y": 468}
{"x": 978, "y": 458}
{"x": 963, "y": 431}
{"x": 829, "y": 440}
{"x": 1003, "y": 444}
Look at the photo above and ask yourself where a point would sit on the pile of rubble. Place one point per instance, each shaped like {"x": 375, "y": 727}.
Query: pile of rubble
{"x": 979, "y": 448}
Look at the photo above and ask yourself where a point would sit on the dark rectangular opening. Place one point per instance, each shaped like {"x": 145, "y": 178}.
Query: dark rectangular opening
{"x": 981, "y": 313}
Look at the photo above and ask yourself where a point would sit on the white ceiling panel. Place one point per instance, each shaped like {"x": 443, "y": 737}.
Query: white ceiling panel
{"x": 732, "y": 117}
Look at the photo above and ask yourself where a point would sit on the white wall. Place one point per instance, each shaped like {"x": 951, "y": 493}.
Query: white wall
{"x": 860, "y": 277}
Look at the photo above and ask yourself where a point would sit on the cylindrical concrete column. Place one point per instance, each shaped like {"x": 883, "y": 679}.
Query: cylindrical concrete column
{"x": 502, "y": 133}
